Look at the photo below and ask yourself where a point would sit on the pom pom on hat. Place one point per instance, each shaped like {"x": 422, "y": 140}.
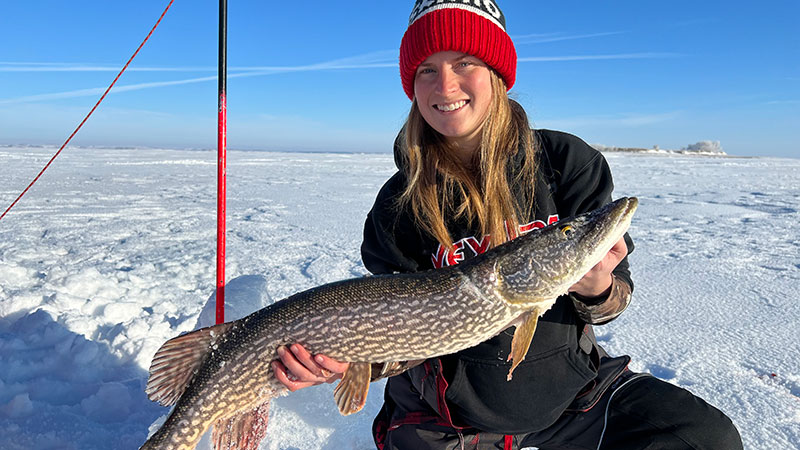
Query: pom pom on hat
{"x": 474, "y": 27}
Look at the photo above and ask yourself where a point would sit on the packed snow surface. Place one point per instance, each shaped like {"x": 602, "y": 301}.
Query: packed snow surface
{"x": 112, "y": 253}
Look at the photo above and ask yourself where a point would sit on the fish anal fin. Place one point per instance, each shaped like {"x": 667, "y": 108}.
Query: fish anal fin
{"x": 521, "y": 341}
{"x": 390, "y": 369}
{"x": 175, "y": 363}
{"x": 242, "y": 431}
{"x": 351, "y": 393}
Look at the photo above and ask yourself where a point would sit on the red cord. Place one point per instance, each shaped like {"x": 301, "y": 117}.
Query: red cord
{"x": 90, "y": 112}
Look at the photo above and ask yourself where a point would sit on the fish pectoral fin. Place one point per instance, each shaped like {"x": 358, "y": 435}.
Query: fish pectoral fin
{"x": 521, "y": 341}
{"x": 242, "y": 431}
{"x": 176, "y": 361}
{"x": 351, "y": 393}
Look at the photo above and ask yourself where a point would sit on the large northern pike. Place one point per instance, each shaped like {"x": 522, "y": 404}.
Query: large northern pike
{"x": 219, "y": 375}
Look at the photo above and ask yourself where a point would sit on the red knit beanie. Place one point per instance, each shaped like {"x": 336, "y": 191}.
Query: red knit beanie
{"x": 474, "y": 27}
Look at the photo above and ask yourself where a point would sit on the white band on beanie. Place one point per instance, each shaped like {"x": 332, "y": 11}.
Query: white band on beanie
{"x": 484, "y": 8}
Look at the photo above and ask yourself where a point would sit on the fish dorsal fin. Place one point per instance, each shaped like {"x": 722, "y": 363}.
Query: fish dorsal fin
{"x": 351, "y": 393}
{"x": 176, "y": 362}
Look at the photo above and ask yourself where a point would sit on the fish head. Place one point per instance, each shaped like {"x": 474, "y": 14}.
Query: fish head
{"x": 540, "y": 266}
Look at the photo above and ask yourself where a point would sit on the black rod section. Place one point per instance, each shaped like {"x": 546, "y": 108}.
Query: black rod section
{"x": 223, "y": 45}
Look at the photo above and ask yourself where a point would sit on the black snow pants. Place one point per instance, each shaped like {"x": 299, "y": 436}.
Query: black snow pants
{"x": 638, "y": 412}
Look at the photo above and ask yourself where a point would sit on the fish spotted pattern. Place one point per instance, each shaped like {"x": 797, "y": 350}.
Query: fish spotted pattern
{"x": 218, "y": 376}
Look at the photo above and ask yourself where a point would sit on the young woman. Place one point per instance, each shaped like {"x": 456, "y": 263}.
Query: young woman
{"x": 472, "y": 175}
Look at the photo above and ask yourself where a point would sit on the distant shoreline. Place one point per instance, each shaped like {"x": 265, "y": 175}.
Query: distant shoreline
{"x": 656, "y": 151}
{"x": 702, "y": 148}
{"x": 598, "y": 147}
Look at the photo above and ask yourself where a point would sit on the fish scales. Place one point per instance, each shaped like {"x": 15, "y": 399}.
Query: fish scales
{"x": 345, "y": 322}
{"x": 378, "y": 319}
{"x": 412, "y": 326}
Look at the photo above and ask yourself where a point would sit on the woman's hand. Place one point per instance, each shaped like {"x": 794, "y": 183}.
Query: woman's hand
{"x": 597, "y": 282}
{"x": 298, "y": 369}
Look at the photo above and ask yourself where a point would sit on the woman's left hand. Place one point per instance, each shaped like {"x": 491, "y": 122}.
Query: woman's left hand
{"x": 296, "y": 368}
{"x": 597, "y": 282}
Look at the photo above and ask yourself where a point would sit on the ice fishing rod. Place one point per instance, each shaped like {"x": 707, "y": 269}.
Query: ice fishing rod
{"x": 222, "y": 122}
{"x": 90, "y": 112}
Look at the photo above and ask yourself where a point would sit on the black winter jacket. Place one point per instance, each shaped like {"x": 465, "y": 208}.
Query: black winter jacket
{"x": 574, "y": 178}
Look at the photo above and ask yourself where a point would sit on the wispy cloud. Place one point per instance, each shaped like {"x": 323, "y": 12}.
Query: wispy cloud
{"x": 366, "y": 61}
{"x": 617, "y": 120}
{"x": 373, "y": 60}
{"x": 782, "y": 102}
{"x": 99, "y": 90}
{"x": 385, "y": 58}
{"x": 87, "y": 67}
{"x": 556, "y": 37}
{"x": 648, "y": 55}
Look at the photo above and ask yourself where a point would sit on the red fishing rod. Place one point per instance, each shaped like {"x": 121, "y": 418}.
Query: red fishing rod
{"x": 222, "y": 121}
{"x": 256, "y": 419}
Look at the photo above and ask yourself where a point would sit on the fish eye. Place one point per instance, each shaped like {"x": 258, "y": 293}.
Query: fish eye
{"x": 567, "y": 231}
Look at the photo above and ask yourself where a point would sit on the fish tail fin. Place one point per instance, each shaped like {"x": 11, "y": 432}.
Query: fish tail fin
{"x": 242, "y": 431}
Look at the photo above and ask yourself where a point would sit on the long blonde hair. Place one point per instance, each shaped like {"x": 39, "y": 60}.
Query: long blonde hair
{"x": 440, "y": 186}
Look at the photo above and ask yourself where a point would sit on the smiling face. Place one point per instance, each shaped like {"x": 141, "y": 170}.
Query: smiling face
{"x": 454, "y": 92}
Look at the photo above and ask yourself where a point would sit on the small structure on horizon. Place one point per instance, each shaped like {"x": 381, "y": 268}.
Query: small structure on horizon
{"x": 705, "y": 147}
{"x": 699, "y": 148}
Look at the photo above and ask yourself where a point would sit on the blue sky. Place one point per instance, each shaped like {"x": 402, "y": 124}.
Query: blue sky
{"x": 322, "y": 75}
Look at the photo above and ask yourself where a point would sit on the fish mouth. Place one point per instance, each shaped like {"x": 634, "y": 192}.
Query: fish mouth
{"x": 609, "y": 225}
{"x": 627, "y": 209}
{"x": 621, "y": 215}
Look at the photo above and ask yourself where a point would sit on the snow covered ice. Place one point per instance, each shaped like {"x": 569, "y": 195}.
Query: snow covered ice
{"x": 112, "y": 253}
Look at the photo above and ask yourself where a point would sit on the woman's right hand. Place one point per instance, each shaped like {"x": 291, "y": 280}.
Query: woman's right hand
{"x": 298, "y": 369}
